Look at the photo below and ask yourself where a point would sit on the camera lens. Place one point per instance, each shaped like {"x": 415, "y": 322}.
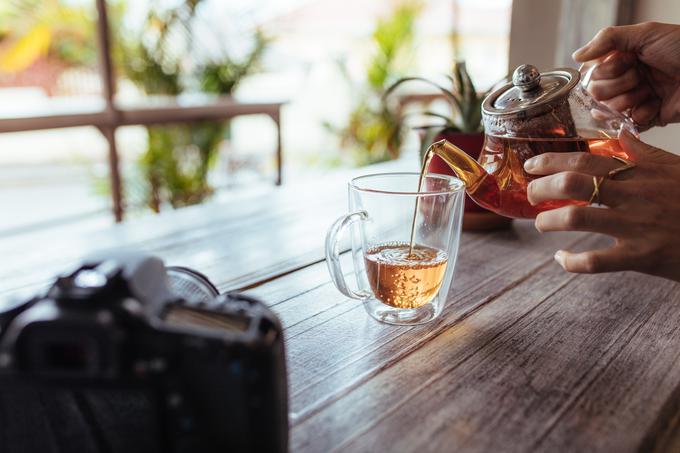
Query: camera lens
{"x": 191, "y": 285}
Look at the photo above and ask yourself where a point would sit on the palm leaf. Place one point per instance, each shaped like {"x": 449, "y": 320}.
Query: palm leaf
{"x": 466, "y": 81}
{"x": 448, "y": 123}
{"x": 426, "y": 141}
{"x": 454, "y": 100}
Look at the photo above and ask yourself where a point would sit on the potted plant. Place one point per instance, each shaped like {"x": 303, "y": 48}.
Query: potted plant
{"x": 463, "y": 127}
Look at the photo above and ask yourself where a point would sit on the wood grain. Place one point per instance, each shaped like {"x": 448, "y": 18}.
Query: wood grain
{"x": 503, "y": 378}
{"x": 360, "y": 410}
{"x": 525, "y": 356}
{"x": 648, "y": 362}
{"x": 323, "y": 368}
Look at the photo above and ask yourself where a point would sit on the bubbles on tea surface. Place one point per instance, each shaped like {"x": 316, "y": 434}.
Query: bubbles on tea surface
{"x": 405, "y": 280}
{"x": 397, "y": 253}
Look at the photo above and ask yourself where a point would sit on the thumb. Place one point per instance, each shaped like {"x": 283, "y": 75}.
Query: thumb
{"x": 639, "y": 151}
{"x": 625, "y": 38}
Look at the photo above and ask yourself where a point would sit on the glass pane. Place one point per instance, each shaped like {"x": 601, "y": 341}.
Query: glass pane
{"x": 329, "y": 62}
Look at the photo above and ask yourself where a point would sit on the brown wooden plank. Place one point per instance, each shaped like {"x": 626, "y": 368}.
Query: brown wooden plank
{"x": 322, "y": 367}
{"x": 182, "y": 230}
{"x": 177, "y": 112}
{"x": 365, "y": 406}
{"x": 327, "y": 368}
{"x": 165, "y": 111}
{"x": 639, "y": 390}
{"x": 496, "y": 380}
{"x": 526, "y": 357}
{"x": 664, "y": 437}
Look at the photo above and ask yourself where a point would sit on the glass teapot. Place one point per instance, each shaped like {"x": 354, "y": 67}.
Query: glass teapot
{"x": 534, "y": 114}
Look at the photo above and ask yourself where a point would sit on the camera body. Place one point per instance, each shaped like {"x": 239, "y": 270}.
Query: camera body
{"x": 124, "y": 354}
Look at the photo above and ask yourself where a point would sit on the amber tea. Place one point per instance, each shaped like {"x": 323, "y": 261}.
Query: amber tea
{"x": 505, "y": 188}
{"x": 497, "y": 180}
{"x": 399, "y": 282}
{"x": 405, "y": 278}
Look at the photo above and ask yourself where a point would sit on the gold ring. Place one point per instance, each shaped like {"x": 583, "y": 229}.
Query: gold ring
{"x": 596, "y": 190}
{"x": 627, "y": 165}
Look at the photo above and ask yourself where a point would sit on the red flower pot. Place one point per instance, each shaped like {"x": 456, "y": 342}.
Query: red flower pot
{"x": 476, "y": 218}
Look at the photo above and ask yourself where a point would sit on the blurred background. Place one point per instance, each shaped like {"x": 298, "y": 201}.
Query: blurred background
{"x": 316, "y": 68}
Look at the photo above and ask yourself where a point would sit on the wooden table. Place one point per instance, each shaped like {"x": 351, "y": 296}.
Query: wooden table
{"x": 525, "y": 357}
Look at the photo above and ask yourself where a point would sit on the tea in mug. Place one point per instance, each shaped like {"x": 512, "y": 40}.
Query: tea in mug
{"x": 405, "y": 278}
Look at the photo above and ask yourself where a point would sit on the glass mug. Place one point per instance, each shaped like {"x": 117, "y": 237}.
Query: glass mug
{"x": 396, "y": 284}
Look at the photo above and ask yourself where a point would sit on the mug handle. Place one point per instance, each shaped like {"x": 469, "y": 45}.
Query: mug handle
{"x": 333, "y": 254}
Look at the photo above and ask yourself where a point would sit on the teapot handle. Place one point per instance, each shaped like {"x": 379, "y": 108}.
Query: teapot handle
{"x": 586, "y": 70}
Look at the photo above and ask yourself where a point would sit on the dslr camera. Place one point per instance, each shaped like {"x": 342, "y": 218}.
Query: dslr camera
{"x": 125, "y": 355}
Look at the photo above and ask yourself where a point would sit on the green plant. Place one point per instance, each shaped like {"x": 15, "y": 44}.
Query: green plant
{"x": 167, "y": 166}
{"x": 222, "y": 76}
{"x": 153, "y": 58}
{"x": 374, "y": 132}
{"x": 178, "y": 158}
{"x": 464, "y": 100}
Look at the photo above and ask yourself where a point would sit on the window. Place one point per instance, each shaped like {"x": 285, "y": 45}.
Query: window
{"x": 315, "y": 62}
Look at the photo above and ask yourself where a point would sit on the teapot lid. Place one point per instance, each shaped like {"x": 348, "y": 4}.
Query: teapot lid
{"x": 531, "y": 93}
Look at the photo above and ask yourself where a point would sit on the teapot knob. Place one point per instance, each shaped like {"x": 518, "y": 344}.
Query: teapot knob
{"x": 526, "y": 77}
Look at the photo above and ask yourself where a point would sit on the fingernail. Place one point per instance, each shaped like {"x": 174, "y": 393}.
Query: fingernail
{"x": 530, "y": 164}
{"x": 537, "y": 225}
{"x": 530, "y": 198}
{"x": 559, "y": 257}
{"x": 577, "y": 52}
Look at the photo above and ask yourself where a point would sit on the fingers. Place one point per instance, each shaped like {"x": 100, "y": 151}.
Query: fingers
{"x": 630, "y": 99}
{"x": 570, "y": 185}
{"x": 604, "y": 260}
{"x": 614, "y": 66}
{"x": 583, "y": 218}
{"x": 590, "y": 164}
{"x": 624, "y": 39}
{"x": 605, "y": 89}
{"x": 639, "y": 151}
{"x": 645, "y": 113}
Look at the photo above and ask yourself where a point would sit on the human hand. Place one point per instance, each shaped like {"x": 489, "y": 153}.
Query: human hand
{"x": 639, "y": 70}
{"x": 642, "y": 214}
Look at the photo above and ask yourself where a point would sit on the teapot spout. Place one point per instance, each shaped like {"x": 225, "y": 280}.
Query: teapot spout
{"x": 464, "y": 166}
{"x": 479, "y": 185}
